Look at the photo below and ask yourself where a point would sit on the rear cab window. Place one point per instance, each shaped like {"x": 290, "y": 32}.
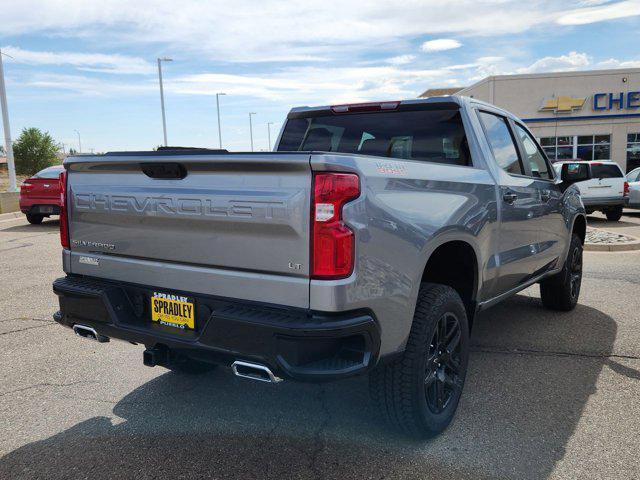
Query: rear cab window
{"x": 606, "y": 170}
{"x": 434, "y": 135}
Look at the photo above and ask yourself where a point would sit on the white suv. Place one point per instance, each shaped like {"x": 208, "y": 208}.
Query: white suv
{"x": 606, "y": 190}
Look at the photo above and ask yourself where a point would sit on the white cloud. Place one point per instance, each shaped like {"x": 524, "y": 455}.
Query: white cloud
{"x": 323, "y": 84}
{"x": 401, "y": 59}
{"x": 88, "y": 86}
{"x": 614, "y": 63}
{"x": 96, "y": 62}
{"x": 600, "y": 13}
{"x": 440, "y": 45}
{"x": 317, "y": 85}
{"x": 291, "y": 86}
{"x": 571, "y": 61}
{"x": 272, "y": 30}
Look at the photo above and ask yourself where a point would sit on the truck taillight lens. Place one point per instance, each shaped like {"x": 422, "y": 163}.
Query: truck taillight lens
{"x": 332, "y": 242}
{"x": 64, "y": 220}
{"x": 626, "y": 189}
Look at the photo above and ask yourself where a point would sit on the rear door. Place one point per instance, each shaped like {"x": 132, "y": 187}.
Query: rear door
{"x": 547, "y": 206}
{"x": 519, "y": 206}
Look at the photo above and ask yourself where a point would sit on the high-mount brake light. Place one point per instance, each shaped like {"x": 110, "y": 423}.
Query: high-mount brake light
{"x": 64, "y": 219}
{"x": 364, "y": 107}
{"x": 332, "y": 242}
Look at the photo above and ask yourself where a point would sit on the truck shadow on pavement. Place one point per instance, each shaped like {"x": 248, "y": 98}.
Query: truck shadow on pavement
{"x": 531, "y": 374}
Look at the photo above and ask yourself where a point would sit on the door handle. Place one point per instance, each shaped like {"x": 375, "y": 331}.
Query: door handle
{"x": 510, "y": 197}
{"x": 545, "y": 195}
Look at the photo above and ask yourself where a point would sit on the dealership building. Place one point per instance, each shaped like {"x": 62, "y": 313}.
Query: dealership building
{"x": 591, "y": 115}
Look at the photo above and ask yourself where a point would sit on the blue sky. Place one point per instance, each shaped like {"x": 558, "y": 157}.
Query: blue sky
{"x": 90, "y": 66}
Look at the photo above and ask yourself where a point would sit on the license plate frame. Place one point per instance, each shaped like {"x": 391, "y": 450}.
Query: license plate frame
{"x": 173, "y": 310}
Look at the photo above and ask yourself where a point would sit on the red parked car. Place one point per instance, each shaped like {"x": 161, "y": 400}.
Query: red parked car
{"x": 40, "y": 194}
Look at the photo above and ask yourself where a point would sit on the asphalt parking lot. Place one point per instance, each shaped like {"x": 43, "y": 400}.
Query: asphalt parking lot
{"x": 548, "y": 395}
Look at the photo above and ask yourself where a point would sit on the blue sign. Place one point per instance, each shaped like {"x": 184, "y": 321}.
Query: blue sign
{"x": 616, "y": 101}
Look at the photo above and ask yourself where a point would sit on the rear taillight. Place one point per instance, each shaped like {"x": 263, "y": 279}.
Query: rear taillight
{"x": 25, "y": 187}
{"x": 64, "y": 221}
{"x": 332, "y": 242}
{"x": 626, "y": 189}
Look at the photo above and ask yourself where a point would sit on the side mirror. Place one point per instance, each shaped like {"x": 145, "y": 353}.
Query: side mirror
{"x": 574, "y": 172}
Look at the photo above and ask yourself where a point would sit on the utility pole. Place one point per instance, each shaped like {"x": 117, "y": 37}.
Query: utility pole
{"x": 219, "y": 128}
{"x": 269, "y": 134}
{"x": 79, "y": 142}
{"x": 8, "y": 146}
{"x": 164, "y": 119}
{"x": 251, "y": 128}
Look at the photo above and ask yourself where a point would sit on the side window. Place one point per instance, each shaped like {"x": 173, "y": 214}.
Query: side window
{"x": 501, "y": 142}
{"x": 537, "y": 162}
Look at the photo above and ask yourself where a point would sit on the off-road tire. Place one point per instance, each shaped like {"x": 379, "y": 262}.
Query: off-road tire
{"x": 34, "y": 219}
{"x": 400, "y": 388}
{"x": 561, "y": 291}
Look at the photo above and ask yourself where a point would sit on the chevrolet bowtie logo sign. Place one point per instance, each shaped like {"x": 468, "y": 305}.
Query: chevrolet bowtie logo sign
{"x": 562, "y": 104}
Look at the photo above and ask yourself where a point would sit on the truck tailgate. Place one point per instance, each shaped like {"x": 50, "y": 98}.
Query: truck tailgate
{"x": 233, "y": 213}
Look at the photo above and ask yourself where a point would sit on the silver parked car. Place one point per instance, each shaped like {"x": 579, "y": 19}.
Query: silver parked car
{"x": 633, "y": 178}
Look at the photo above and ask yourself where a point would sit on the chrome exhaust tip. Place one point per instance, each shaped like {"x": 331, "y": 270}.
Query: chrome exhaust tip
{"x": 254, "y": 371}
{"x": 88, "y": 332}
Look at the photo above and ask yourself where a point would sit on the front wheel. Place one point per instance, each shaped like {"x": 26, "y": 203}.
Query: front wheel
{"x": 614, "y": 214}
{"x": 419, "y": 392}
{"x": 561, "y": 291}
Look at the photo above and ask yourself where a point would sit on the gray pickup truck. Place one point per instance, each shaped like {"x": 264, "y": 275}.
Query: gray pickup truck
{"x": 366, "y": 243}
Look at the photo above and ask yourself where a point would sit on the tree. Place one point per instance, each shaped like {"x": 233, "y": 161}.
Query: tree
{"x": 33, "y": 151}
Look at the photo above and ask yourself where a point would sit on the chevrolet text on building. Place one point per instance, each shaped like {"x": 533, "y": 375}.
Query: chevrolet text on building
{"x": 619, "y": 101}
{"x": 590, "y": 115}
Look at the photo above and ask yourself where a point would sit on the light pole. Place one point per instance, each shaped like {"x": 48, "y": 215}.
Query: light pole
{"x": 218, "y": 108}
{"x": 79, "y": 141}
{"x": 7, "y": 132}
{"x": 164, "y": 120}
{"x": 251, "y": 129}
{"x": 269, "y": 134}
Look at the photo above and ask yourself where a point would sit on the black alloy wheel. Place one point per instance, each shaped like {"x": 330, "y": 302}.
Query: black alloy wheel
{"x": 442, "y": 369}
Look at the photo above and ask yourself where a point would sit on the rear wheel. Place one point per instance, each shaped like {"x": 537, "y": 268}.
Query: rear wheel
{"x": 561, "y": 291}
{"x": 614, "y": 214}
{"x": 419, "y": 392}
{"x": 34, "y": 219}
